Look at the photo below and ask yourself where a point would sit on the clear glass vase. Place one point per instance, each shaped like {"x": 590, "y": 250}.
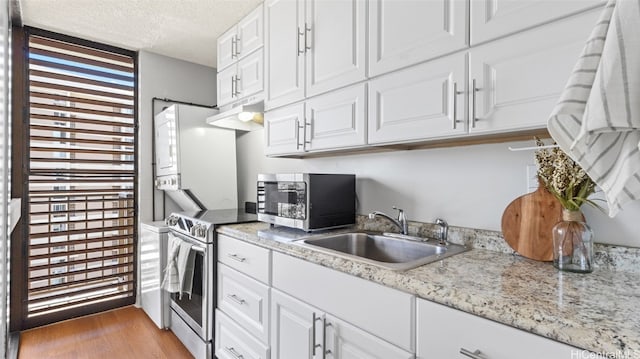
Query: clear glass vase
{"x": 573, "y": 243}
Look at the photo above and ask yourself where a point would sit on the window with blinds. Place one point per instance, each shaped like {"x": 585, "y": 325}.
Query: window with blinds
{"x": 81, "y": 176}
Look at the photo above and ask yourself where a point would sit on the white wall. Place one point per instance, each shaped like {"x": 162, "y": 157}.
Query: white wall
{"x": 469, "y": 186}
{"x": 165, "y": 77}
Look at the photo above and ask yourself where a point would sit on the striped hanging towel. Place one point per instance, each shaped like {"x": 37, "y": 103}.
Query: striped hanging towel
{"x": 597, "y": 119}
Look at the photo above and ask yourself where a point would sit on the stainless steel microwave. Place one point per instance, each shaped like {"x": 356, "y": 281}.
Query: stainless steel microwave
{"x": 307, "y": 201}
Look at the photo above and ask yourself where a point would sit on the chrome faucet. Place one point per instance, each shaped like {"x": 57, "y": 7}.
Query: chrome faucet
{"x": 444, "y": 230}
{"x": 401, "y": 222}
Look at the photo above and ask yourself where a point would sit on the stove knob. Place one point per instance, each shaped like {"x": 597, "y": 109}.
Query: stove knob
{"x": 203, "y": 231}
{"x": 194, "y": 230}
{"x": 171, "y": 220}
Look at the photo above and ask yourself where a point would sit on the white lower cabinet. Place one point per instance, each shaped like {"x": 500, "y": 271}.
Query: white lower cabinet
{"x": 446, "y": 333}
{"x": 233, "y": 342}
{"x": 384, "y": 312}
{"x": 245, "y": 299}
{"x": 301, "y": 331}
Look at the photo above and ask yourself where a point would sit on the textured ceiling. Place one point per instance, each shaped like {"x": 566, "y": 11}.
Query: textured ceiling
{"x": 183, "y": 29}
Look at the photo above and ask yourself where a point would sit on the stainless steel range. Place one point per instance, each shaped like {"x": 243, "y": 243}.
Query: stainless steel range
{"x": 192, "y": 317}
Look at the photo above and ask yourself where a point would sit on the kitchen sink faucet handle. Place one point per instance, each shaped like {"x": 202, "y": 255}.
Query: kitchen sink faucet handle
{"x": 444, "y": 230}
{"x": 402, "y": 219}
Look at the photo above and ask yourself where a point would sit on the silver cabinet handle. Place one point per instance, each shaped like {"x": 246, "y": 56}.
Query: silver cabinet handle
{"x": 234, "y": 45}
{"x": 474, "y": 355}
{"x": 297, "y": 135}
{"x": 310, "y": 132}
{"x": 314, "y": 319}
{"x": 325, "y": 351}
{"x": 474, "y": 89}
{"x": 307, "y": 33}
{"x": 233, "y": 86}
{"x": 455, "y": 104}
{"x": 237, "y": 52}
{"x": 237, "y": 93}
{"x": 304, "y": 134}
{"x": 236, "y": 299}
{"x": 233, "y": 352}
{"x": 236, "y": 257}
{"x": 300, "y": 34}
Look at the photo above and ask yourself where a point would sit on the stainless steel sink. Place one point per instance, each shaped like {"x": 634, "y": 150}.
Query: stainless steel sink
{"x": 386, "y": 251}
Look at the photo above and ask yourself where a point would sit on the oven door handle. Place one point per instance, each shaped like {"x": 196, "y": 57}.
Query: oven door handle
{"x": 198, "y": 249}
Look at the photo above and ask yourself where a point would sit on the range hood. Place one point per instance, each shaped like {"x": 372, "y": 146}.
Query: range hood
{"x": 242, "y": 117}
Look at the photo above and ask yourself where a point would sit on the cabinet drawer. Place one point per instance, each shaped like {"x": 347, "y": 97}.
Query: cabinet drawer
{"x": 384, "y": 312}
{"x": 442, "y": 333}
{"x": 244, "y": 257}
{"x": 232, "y": 342}
{"x": 244, "y": 299}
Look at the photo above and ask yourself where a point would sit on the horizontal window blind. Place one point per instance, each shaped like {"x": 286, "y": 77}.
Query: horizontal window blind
{"x": 81, "y": 176}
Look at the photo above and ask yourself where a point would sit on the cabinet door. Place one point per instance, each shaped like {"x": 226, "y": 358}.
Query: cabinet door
{"x": 251, "y": 32}
{"x": 292, "y": 328}
{"x": 335, "y": 38}
{"x": 250, "y": 75}
{"x": 233, "y": 342}
{"x": 337, "y": 119}
{"x": 346, "y": 341}
{"x": 244, "y": 299}
{"x": 284, "y": 57}
{"x": 226, "y": 85}
{"x": 419, "y": 102}
{"x": 491, "y": 19}
{"x": 166, "y": 142}
{"x": 443, "y": 332}
{"x": 226, "y": 48}
{"x": 518, "y": 79}
{"x": 283, "y": 130}
{"x": 406, "y": 32}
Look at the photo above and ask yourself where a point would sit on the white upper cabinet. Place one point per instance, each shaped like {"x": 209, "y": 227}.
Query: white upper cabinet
{"x": 336, "y": 119}
{"x": 250, "y": 33}
{"x": 242, "y": 39}
{"x": 491, "y": 19}
{"x": 284, "y": 58}
{"x": 284, "y": 130}
{"x": 313, "y": 46}
{"x": 518, "y": 79}
{"x": 250, "y": 75}
{"x": 406, "y": 32}
{"x": 422, "y": 102}
{"x": 242, "y": 79}
{"x": 335, "y": 44}
{"x": 226, "y": 49}
{"x": 240, "y": 66}
{"x": 226, "y": 81}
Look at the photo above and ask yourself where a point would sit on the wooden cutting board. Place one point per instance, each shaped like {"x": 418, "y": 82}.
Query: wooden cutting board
{"x": 527, "y": 223}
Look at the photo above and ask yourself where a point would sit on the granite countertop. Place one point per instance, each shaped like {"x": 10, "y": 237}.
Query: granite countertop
{"x": 597, "y": 311}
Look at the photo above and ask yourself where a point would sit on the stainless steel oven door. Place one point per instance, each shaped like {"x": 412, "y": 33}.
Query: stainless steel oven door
{"x": 197, "y": 310}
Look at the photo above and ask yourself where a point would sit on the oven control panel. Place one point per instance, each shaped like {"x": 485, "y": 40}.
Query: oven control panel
{"x": 192, "y": 228}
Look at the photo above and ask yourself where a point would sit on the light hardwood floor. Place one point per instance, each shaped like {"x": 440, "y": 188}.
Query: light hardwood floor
{"x": 121, "y": 333}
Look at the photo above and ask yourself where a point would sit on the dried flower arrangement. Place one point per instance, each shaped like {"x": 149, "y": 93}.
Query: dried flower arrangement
{"x": 563, "y": 177}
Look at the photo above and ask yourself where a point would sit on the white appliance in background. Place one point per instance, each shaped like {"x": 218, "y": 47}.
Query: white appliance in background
{"x": 153, "y": 259}
{"x": 195, "y": 162}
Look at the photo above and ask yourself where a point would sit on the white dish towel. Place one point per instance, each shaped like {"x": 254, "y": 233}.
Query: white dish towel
{"x": 597, "y": 119}
{"x": 178, "y": 275}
